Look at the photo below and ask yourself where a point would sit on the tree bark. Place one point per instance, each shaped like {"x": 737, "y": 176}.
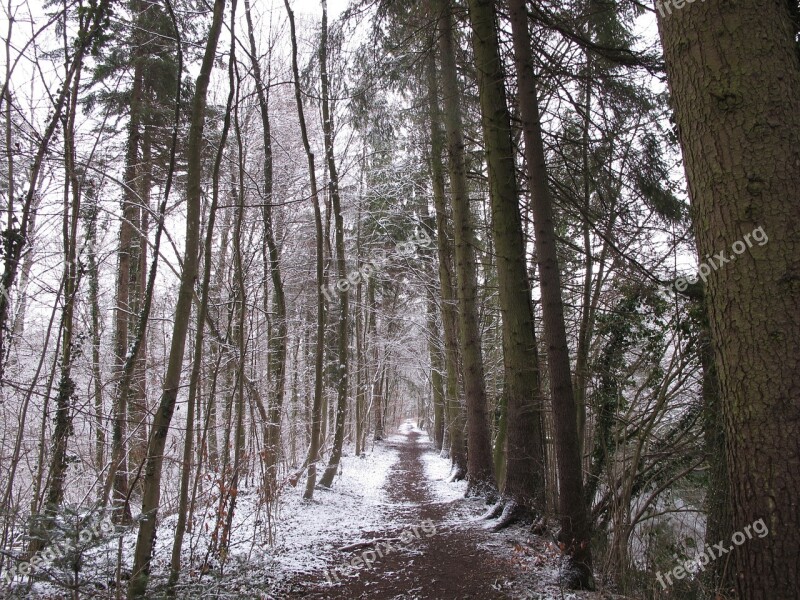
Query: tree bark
{"x": 317, "y": 415}
{"x": 122, "y": 310}
{"x": 480, "y": 473}
{"x": 734, "y": 75}
{"x": 524, "y": 481}
{"x": 575, "y": 534}
{"x": 343, "y": 285}
{"x": 453, "y": 407}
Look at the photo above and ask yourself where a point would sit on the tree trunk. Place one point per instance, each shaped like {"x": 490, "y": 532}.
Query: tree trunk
{"x": 155, "y": 452}
{"x": 122, "y": 310}
{"x": 437, "y": 368}
{"x": 719, "y": 574}
{"x": 343, "y": 285}
{"x": 524, "y": 482}
{"x": 454, "y": 410}
{"x": 90, "y": 212}
{"x": 62, "y": 431}
{"x": 575, "y": 534}
{"x": 734, "y": 74}
{"x": 377, "y": 382}
{"x": 361, "y": 391}
{"x": 239, "y": 331}
{"x": 317, "y": 415}
{"x": 479, "y": 464}
{"x": 137, "y": 409}
{"x": 271, "y": 256}
{"x": 197, "y": 360}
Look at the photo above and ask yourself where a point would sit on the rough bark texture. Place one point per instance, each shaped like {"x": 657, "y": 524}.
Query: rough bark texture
{"x": 524, "y": 481}
{"x": 718, "y": 495}
{"x": 480, "y": 469}
{"x": 575, "y": 534}
{"x": 735, "y": 81}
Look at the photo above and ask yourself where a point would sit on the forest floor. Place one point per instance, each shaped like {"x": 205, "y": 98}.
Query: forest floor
{"x": 439, "y": 548}
{"x": 392, "y": 527}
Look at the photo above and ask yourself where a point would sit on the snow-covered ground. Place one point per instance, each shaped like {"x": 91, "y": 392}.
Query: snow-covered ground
{"x": 271, "y": 556}
{"x": 305, "y": 535}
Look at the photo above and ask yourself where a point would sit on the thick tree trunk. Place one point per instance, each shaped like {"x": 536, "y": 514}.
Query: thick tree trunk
{"x": 437, "y": 368}
{"x": 122, "y": 310}
{"x": 480, "y": 472}
{"x": 719, "y": 574}
{"x": 524, "y": 481}
{"x": 734, "y": 75}
{"x": 575, "y": 534}
{"x": 137, "y": 410}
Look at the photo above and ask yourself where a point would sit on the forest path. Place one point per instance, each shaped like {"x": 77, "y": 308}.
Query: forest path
{"x": 432, "y": 559}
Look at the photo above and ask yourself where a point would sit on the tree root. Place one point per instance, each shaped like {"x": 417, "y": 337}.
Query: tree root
{"x": 481, "y": 489}
{"x": 456, "y": 474}
{"x": 510, "y": 512}
{"x": 576, "y": 576}
{"x": 493, "y": 512}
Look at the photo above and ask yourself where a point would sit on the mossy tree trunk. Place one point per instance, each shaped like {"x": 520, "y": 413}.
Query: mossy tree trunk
{"x": 524, "y": 477}
{"x": 480, "y": 468}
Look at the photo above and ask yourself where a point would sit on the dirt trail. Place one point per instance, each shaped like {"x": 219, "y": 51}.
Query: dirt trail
{"x": 442, "y": 564}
